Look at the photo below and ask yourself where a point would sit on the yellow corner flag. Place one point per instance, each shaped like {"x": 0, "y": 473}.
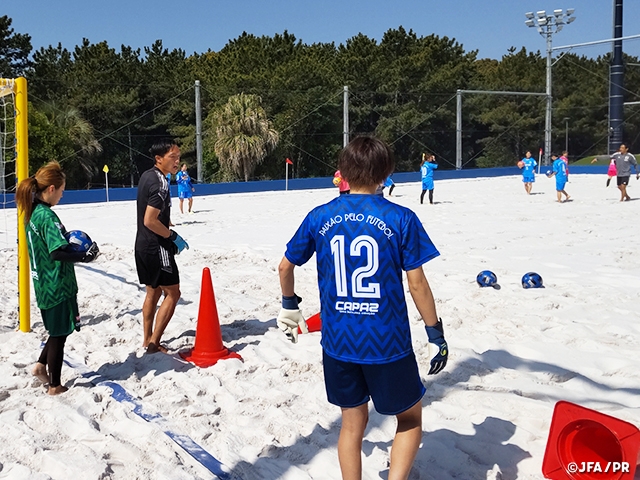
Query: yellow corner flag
{"x": 105, "y": 169}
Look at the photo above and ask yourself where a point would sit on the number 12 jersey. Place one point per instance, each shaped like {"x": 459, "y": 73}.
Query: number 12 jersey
{"x": 362, "y": 244}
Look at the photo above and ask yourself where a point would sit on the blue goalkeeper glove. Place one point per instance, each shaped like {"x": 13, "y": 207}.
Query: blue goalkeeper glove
{"x": 290, "y": 318}
{"x": 436, "y": 336}
{"x": 179, "y": 242}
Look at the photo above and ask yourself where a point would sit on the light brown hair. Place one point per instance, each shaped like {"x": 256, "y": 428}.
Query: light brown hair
{"x": 30, "y": 188}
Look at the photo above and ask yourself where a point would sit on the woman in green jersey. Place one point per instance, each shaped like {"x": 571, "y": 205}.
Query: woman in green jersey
{"x": 51, "y": 259}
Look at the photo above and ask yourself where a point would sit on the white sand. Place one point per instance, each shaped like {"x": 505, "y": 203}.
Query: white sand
{"x": 514, "y": 352}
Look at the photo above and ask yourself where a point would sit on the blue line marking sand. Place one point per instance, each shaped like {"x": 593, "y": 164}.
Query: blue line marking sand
{"x": 121, "y": 395}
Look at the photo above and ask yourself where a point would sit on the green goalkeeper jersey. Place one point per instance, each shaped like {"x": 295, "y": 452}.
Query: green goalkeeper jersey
{"x": 53, "y": 281}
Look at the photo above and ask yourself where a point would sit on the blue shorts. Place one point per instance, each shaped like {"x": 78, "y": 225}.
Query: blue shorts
{"x": 184, "y": 194}
{"x": 560, "y": 183}
{"x": 528, "y": 178}
{"x": 394, "y": 387}
{"x": 427, "y": 184}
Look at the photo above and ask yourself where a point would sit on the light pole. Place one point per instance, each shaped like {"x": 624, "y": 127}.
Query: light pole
{"x": 547, "y": 25}
{"x": 566, "y": 134}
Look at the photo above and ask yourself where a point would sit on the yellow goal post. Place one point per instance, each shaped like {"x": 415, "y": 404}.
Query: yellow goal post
{"x": 18, "y": 89}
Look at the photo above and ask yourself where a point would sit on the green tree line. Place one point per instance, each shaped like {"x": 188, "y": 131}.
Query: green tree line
{"x": 97, "y": 105}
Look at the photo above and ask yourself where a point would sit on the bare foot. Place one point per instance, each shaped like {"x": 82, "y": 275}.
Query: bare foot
{"x": 57, "y": 390}
{"x": 153, "y": 348}
{"x": 40, "y": 372}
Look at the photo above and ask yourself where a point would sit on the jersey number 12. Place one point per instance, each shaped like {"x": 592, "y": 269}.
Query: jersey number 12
{"x": 360, "y": 274}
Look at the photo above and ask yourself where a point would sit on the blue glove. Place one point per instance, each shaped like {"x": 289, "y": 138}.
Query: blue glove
{"x": 178, "y": 241}
{"x": 436, "y": 336}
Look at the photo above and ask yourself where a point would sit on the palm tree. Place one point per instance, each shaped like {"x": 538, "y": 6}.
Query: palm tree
{"x": 79, "y": 138}
{"x": 244, "y": 135}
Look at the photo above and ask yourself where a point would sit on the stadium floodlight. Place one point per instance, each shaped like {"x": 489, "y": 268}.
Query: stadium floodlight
{"x": 547, "y": 25}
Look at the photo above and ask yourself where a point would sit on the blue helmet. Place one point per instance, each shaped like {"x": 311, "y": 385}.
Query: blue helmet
{"x": 532, "y": 280}
{"x": 487, "y": 278}
{"x": 78, "y": 241}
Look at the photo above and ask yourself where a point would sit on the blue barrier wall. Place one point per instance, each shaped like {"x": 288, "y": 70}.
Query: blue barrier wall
{"x": 119, "y": 194}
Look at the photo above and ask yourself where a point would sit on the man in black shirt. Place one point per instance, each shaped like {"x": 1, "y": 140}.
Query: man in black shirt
{"x": 156, "y": 245}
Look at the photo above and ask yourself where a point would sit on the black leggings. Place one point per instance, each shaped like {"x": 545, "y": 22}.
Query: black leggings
{"x": 52, "y": 356}
{"x": 430, "y": 195}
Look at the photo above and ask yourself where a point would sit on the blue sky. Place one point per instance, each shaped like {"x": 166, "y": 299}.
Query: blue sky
{"x": 490, "y": 26}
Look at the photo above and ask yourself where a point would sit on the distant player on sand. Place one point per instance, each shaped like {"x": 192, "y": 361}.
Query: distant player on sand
{"x": 623, "y": 161}
{"x": 528, "y": 165}
{"x": 156, "y": 245}
{"x": 341, "y": 183}
{"x": 565, "y": 158}
{"x": 559, "y": 170}
{"x": 363, "y": 243}
{"x": 185, "y": 188}
{"x": 427, "y": 166}
{"x": 389, "y": 183}
{"x": 612, "y": 171}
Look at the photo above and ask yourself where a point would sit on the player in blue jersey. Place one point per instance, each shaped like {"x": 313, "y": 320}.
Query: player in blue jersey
{"x": 528, "y": 165}
{"x": 363, "y": 243}
{"x": 390, "y": 184}
{"x": 427, "y": 167}
{"x": 559, "y": 170}
{"x": 185, "y": 188}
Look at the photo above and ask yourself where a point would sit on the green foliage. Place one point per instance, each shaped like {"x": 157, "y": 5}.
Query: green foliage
{"x": 14, "y": 50}
{"x": 243, "y": 135}
{"x": 60, "y": 133}
{"x": 402, "y": 89}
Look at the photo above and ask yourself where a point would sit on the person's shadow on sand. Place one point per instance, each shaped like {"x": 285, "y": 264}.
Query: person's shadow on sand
{"x": 445, "y": 453}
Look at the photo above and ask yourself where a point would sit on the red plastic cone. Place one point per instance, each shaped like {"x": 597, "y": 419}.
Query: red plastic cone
{"x": 585, "y": 444}
{"x": 208, "y": 347}
{"x": 314, "y": 323}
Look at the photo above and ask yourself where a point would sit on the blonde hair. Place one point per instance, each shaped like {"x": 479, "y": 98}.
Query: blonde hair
{"x": 30, "y": 188}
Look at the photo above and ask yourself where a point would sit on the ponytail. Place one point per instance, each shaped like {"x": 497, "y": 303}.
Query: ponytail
{"x": 30, "y": 188}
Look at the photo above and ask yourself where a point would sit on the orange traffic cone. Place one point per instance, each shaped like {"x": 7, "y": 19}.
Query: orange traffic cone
{"x": 314, "y": 323}
{"x": 208, "y": 348}
{"x": 586, "y": 444}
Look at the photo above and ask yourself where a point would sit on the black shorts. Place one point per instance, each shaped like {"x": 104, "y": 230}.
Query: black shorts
{"x": 623, "y": 181}
{"x": 157, "y": 270}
